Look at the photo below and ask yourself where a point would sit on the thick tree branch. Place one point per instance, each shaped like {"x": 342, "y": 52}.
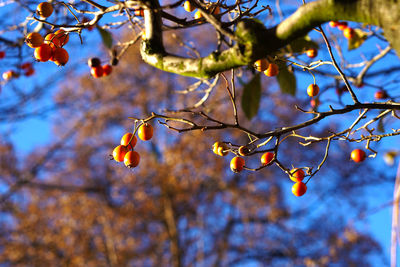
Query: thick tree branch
{"x": 255, "y": 41}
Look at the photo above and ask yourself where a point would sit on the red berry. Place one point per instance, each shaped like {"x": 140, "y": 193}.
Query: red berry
{"x": 62, "y": 37}
{"x": 297, "y": 176}
{"x": 96, "y": 72}
{"x": 333, "y": 24}
{"x": 131, "y": 159}
{"x": 312, "y": 52}
{"x": 44, "y": 9}
{"x": 60, "y": 56}
{"x": 2, "y": 54}
{"x": 119, "y": 153}
{"x": 349, "y": 33}
{"x": 237, "y": 164}
{"x": 380, "y": 94}
{"x": 34, "y": 39}
{"x": 358, "y": 155}
{"x": 43, "y": 53}
{"x": 129, "y": 139}
{"x": 107, "y": 69}
{"x": 299, "y": 189}
{"x": 266, "y": 158}
{"x": 312, "y": 90}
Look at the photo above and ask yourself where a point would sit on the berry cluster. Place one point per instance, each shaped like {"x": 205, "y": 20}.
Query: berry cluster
{"x": 269, "y": 69}
{"x": 50, "y": 47}
{"x": 125, "y": 151}
{"x": 348, "y": 32}
{"x": 299, "y": 188}
{"x": 97, "y": 70}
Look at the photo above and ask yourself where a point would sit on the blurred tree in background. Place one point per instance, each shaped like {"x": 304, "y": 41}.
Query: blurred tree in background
{"x": 182, "y": 206}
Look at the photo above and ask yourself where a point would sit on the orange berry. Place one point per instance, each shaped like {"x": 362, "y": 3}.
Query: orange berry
{"x": 188, "y": 6}
{"x": 8, "y": 75}
{"x": 96, "y": 72}
{"x": 131, "y": 159}
{"x": 349, "y": 33}
{"x": 60, "y": 56}
{"x": 34, "y": 39}
{"x": 266, "y": 158}
{"x": 43, "y": 53}
{"x": 342, "y": 25}
{"x": 333, "y": 24}
{"x": 261, "y": 64}
{"x": 2, "y": 54}
{"x": 94, "y": 62}
{"x": 62, "y": 36}
{"x": 312, "y": 52}
{"x": 129, "y": 139}
{"x": 297, "y": 176}
{"x": 52, "y": 40}
{"x": 107, "y": 69}
{"x": 44, "y": 9}
{"x": 198, "y": 15}
{"x": 145, "y": 132}
{"x": 272, "y": 70}
{"x": 119, "y": 153}
{"x": 312, "y": 90}
{"x": 221, "y": 149}
{"x": 237, "y": 164}
{"x": 299, "y": 189}
{"x": 380, "y": 94}
{"x": 139, "y": 12}
{"x": 243, "y": 151}
{"x": 358, "y": 155}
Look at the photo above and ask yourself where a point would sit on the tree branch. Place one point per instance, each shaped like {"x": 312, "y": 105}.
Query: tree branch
{"x": 254, "y": 40}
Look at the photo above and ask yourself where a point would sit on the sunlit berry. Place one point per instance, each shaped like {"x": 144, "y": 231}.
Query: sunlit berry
{"x": 272, "y": 70}
{"x": 60, "y": 56}
{"x": 221, "y": 149}
{"x": 266, "y": 158}
{"x": 299, "y": 189}
{"x": 131, "y": 159}
{"x": 297, "y": 176}
{"x": 34, "y": 39}
{"x": 261, "y": 64}
{"x": 129, "y": 140}
{"x": 44, "y": 9}
{"x": 107, "y": 69}
{"x": 119, "y": 153}
{"x": 145, "y": 132}
{"x": 96, "y": 72}
{"x": 312, "y": 52}
{"x": 43, "y": 53}
{"x": 312, "y": 90}
{"x": 358, "y": 155}
{"x": 237, "y": 164}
